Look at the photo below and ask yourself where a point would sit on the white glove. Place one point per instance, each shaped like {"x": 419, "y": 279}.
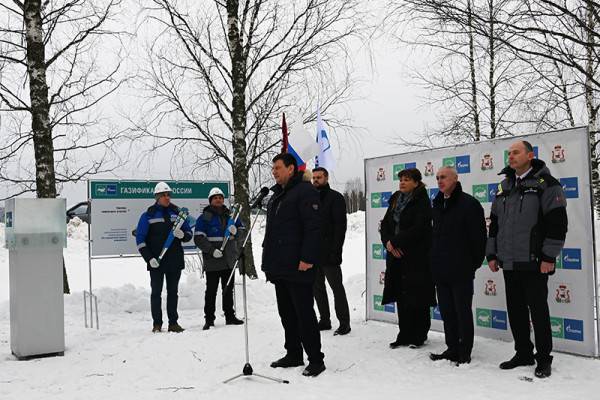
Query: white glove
{"x": 232, "y": 230}
{"x": 178, "y": 233}
{"x": 153, "y": 263}
{"x": 217, "y": 253}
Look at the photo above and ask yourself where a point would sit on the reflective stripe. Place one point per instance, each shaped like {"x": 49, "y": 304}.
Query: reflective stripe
{"x": 155, "y": 220}
{"x": 199, "y": 233}
{"x": 216, "y": 238}
{"x": 141, "y": 245}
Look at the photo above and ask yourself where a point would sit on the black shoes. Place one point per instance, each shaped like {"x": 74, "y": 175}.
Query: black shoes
{"x": 207, "y": 325}
{"x": 324, "y": 325}
{"x": 463, "y": 359}
{"x": 446, "y": 355}
{"x": 175, "y": 328}
{"x": 156, "y": 328}
{"x": 342, "y": 330}
{"x": 517, "y": 361}
{"x": 233, "y": 321}
{"x": 400, "y": 342}
{"x": 543, "y": 370}
{"x": 313, "y": 369}
{"x": 288, "y": 362}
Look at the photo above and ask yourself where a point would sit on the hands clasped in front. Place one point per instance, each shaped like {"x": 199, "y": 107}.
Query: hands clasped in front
{"x": 394, "y": 251}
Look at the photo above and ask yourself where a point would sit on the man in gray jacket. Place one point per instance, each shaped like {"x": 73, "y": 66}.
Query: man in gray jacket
{"x": 212, "y": 227}
{"x": 527, "y": 232}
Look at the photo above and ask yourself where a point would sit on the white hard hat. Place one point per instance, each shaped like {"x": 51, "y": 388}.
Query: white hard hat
{"x": 215, "y": 192}
{"x": 162, "y": 187}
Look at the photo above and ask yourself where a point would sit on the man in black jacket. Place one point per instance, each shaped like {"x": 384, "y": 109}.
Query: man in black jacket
{"x": 458, "y": 249}
{"x": 527, "y": 232}
{"x": 290, "y": 249}
{"x": 333, "y": 233}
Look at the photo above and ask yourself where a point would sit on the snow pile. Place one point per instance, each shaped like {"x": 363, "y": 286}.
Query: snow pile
{"x": 356, "y": 224}
{"x": 77, "y": 229}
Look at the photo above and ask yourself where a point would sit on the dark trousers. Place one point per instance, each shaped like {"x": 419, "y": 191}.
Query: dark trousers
{"x": 333, "y": 274}
{"x": 210, "y": 296}
{"x": 157, "y": 278}
{"x": 295, "y": 306}
{"x": 527, "y": 293}
{"x": 414, "y": 322}
{"x": 455, "y": 301}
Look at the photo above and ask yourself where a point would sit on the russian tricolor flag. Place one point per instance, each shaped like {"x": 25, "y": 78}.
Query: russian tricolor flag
{"x": 299, "y": 144}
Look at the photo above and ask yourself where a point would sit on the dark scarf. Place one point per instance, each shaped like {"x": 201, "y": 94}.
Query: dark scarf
{"x": 401, "y": 203}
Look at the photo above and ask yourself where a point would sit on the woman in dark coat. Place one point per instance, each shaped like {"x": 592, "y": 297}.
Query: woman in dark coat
{"x": 406, "y": 235}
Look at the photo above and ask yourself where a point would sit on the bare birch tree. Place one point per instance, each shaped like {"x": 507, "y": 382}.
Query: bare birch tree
{"x": 48, "y": 48}
{"x": 222, "y": 73}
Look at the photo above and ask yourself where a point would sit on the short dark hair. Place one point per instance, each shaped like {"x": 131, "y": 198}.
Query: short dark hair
{"x": 321, "y": 169}
{"x": 287, "y": 160}
{"x": 528, "y": 146}
{"x": 411, "y": 173}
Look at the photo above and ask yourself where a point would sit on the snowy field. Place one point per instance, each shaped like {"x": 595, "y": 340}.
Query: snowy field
{"x": 124, "y": 360}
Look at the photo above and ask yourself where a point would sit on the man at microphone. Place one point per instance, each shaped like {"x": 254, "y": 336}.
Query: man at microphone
{"x": 290, "y": 249}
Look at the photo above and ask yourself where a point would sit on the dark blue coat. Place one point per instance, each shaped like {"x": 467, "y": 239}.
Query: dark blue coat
{"x": 293, "y": 231}
{"x": 151, "y": 233}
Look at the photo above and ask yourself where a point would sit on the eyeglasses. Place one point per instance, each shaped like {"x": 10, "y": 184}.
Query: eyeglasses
{"x": 440, "y": 177}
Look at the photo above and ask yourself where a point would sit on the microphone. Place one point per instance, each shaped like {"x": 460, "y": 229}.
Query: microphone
{"x": 259, "y": 198}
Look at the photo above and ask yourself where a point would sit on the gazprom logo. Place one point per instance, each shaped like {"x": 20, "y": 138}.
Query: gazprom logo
{"x": 573, "y": 329}
{"x": 571, "y": 259}
{"x": 570, "y": 187}
{"x": 499, "y": 320}
{"x": 385, "y": 199}
{"x": 106, "y": 190}
{"x": 462, "y": 164}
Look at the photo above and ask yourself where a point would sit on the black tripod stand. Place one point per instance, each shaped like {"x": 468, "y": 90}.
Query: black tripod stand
{"x": 247, "y": 370}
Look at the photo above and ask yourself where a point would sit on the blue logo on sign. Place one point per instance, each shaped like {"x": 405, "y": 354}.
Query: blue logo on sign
{"x": 391, "y": 308}
{"x": 111, "y": 190}
{"x": 463, "y": 164}
{"x": 499, "y": 319}
{"x": 570, "y": 187}
{"x": 410, "y": 165}
{"x": 571, "y": 258}
{"x": 492, "y": 189}
{"x": 573, "y": 329}
{"x": 385, "y": 199}
{"x": 436, "y": 314}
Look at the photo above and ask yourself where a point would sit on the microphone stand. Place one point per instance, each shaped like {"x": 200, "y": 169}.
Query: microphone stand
{"x": 247, "y": 371}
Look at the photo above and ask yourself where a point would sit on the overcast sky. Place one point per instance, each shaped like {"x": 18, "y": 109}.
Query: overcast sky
{"x": 387, "y": 106}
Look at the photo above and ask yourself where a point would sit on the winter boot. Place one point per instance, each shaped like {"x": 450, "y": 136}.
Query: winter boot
{"x": 233, "y": 320}
{"x": 207, "y": 325}
{"x": 287, "y": 362}
{"x": 156, "y": 328}
{"x": 400, "y": 341}
{"x": 446, "y": 355}
{"x": 175, "y": 328}
{"x": 518, "y": 361}
{"x": 313, "y": 369}
{"x": 544, "y": 367}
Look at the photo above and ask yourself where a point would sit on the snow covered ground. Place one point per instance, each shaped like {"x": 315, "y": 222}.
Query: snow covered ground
{"x": 124, "y": 360}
